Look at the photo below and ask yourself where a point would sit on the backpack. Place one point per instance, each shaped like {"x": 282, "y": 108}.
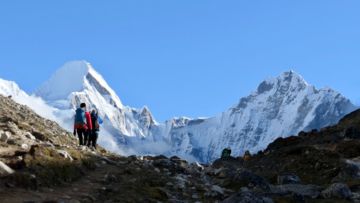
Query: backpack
{"x": 95, "y": 121}
{"x": 80, "y": 117}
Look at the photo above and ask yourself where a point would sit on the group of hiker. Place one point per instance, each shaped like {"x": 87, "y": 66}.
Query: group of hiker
{"x": 87, "y": 126}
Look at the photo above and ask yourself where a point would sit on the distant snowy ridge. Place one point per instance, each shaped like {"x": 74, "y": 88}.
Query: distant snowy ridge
{"x": 10, "y": 88}
{"x": 279, "y": 107}
{"x": 76, "y": 76}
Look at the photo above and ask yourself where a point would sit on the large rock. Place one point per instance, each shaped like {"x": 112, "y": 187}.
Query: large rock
{"x": 197, "y": 167}
{"x": 247, "y": 197}
{"x": 352, "y": 133}
{"x": 249, "y": 179}
{"x": 237, "y": 178}
{"x": 288, "y": 179}
{"x": 349, "y": 171}
{"x": 308, "y": 191}
{"x": 215, "y": 192}
{"x": 65, "y": 154}
{"x": 1, "y": 134}
{"x": 30, "y": 136}
{"x": 25, "y": 146}
{"x": 163, "y": 163}
{"x": 337, "y": 190}
{"x": 5, "y": 169}
{"x": 229, "y": 162}
{"x": 4, "y": 136}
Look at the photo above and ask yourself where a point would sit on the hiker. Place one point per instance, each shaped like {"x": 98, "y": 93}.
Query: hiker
{"x": 82, "y": 124}
{"x": 96, "y": 121}
{"x": 247, "y": 156}
{"x": 226, "y": 153}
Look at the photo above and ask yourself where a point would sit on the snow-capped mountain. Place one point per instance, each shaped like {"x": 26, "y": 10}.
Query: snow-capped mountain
{"x": 77, "y": 82}
{"x": 280, "y": 107}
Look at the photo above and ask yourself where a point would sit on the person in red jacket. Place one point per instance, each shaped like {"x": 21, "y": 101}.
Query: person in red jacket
{"x": 82, "y": 124}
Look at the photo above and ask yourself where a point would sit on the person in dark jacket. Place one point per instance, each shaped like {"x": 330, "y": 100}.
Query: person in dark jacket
{"x": 226, "y": 153}
{"x": 82, "y": 124}
{"x": 96, "y": 120}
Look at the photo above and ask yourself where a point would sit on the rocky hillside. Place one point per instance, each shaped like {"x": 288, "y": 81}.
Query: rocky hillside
{"x": 40, "y": 162}
{"x": 310, "y": 167}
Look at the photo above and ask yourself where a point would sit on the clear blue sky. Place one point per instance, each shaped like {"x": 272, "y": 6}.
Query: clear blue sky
{"x": 193, "y": 58}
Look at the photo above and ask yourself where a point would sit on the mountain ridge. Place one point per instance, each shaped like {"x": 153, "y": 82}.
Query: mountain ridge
{"x": 279, "y": 107}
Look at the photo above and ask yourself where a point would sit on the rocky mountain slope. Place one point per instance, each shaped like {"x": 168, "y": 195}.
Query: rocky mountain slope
{"x": 40, "y": 162}
{"x": 318, "y": 166}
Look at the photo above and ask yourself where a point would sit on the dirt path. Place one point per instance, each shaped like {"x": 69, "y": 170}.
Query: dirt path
{"x": 83, "y": 190}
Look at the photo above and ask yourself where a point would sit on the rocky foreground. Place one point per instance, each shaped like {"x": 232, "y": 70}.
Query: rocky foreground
{"x": 41, "y": 162}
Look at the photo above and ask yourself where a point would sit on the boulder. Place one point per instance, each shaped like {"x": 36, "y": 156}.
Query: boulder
{"x": 288, "y": 179}
{"x": 352, "y": 133}
{"x": 215, "y": 192}
{"x": 48, "y": 144}
{"x": 218, "y": 189}
{"x": 230, "y": 162}
{"x": 249, "y": 179}
{"x": 349, "y": 171}
{"x": 223, "y": 173}
{"x": 65, "y": 154}
{"x": 30, "y": 136}
{"x": 337, "y": 190}
{"x": 308, "y": 191}
{"x": 181, "y": 165}
{"x": 25, "y": 146}
{"x": 163, "y": 163}
{"x": 4, "y": 136}
{"x": 5, "y": 169}
{"x": 11, "y": 142}
{"x": 247, "y": 197}
{"x": 196, "y": 166}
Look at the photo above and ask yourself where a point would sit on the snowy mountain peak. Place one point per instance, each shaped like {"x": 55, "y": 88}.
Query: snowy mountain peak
{"x": 73, "y": 73}
{"x": 280, "y": 107}
{"x": 80, "y": 77}
{"x": 146, "y": 117}
{"x": 78, "y": 82}
{"x": 287, "y": 81}
{"x": 9, "y": 88}
{"x": 292, "y": 77}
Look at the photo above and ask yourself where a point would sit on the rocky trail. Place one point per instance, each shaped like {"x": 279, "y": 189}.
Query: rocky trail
{"x": 86, "y": 189}
{"x": 81, "y": 190}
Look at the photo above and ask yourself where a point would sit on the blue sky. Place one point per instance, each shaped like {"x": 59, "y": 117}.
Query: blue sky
{"x": 193, "y": 58}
